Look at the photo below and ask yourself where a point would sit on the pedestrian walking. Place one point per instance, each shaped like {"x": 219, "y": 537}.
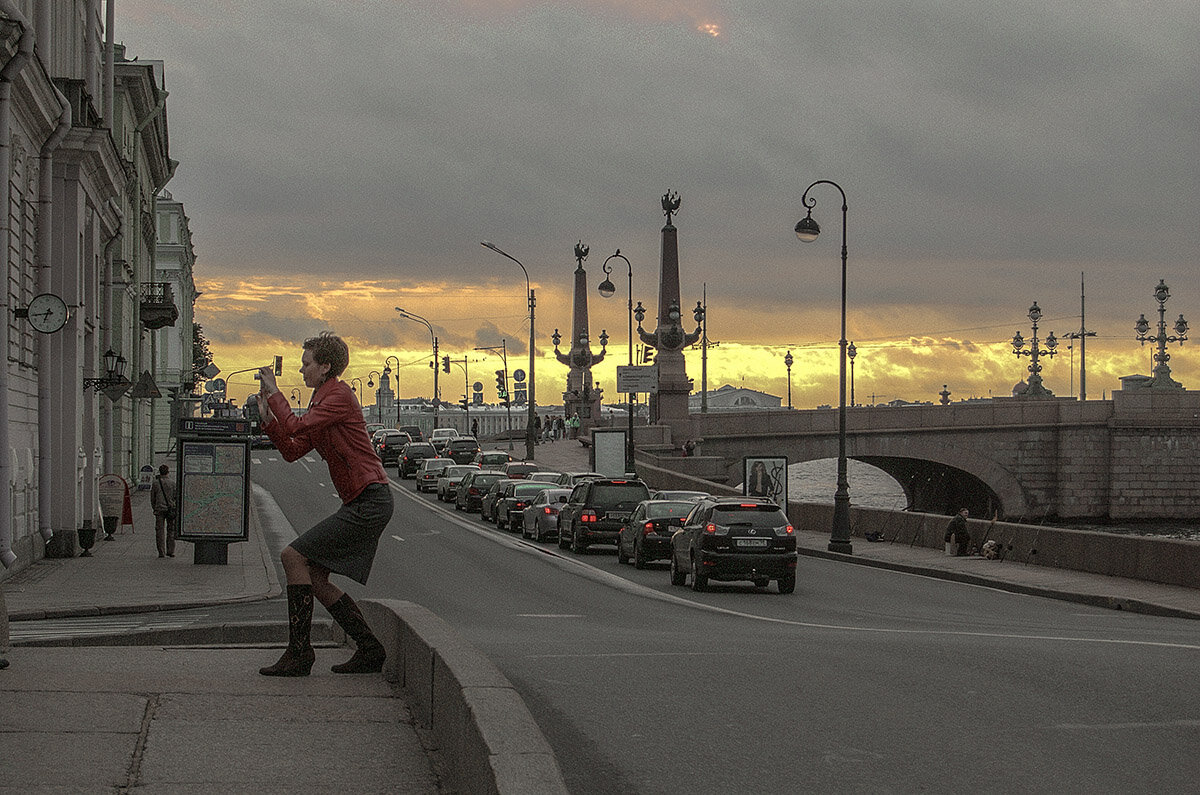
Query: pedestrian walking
{"x": 344, "y": 543}
{"x": 166, "y": 512}
{"x": 475, "y": 427}
{"x": 560, "y": 428}
{"x": 537, "y": 428}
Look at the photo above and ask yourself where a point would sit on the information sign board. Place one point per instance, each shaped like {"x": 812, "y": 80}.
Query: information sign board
{"x": 214, "y": 489}
{"x": 631, "y": 378}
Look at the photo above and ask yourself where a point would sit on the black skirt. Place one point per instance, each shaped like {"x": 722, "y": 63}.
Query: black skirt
{"x": 345, "y": 543}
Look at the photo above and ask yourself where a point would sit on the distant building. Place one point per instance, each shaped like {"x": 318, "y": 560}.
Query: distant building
{"x": 174, "y": 260}
{"x": 735, "y": 398}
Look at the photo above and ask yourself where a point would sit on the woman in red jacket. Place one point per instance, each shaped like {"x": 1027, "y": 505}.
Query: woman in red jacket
{"x": 344, "y": 543}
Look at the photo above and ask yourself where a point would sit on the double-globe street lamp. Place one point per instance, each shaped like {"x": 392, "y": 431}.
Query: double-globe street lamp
{"x": 807, "y": 230}
{"x": 1162, "y": 371}
{"x": 433, "y": 364}
{"x": 530, "y": 441}
{"x": 607, "y": 290}
{"x": 851, "y": 352}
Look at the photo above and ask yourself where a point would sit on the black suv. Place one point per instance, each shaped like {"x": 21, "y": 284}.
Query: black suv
{"x": 596, "y": 511}
{"x": 462, "y": 449}
{"x": 735, "y": 538}
{"x": 412, "y": 456}
{"x": 388, "y": 445}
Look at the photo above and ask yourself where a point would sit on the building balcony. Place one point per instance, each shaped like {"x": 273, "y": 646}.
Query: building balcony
{"x": 158, "y": 305}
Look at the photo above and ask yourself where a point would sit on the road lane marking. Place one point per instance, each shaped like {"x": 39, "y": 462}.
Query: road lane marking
{"x": 550, "y": 615}
{"x": 1140, "y": 726}
{"x": 635, "y": 589}
{"x": 398, "y": 538}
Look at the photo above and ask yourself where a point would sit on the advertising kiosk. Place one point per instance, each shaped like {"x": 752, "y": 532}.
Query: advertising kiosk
{"x": 214, "y": 485}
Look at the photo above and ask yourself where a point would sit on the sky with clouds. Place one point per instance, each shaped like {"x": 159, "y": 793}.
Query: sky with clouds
{"x": 341, "y": 159}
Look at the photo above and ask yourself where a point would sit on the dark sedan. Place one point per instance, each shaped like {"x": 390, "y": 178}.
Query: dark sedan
{"x": 512, "y": 502}
{"x": 389, "y": 444}
{"x": 474, "y": 485}
{"x": 647, "y": 534}
{"x": 487, "y": 503}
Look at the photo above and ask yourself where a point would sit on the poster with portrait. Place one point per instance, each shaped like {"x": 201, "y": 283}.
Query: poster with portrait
{"x": 766, "y": 477}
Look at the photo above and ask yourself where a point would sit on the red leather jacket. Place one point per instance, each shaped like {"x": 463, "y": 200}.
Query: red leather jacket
{"x": 334, "y": 427}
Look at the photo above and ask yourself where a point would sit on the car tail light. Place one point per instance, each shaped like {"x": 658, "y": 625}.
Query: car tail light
{"x": 647, "y": 528}
{"x": 587, "y": 516}
{"x": 710, "y": 528}
{"x": 790, "y": 530}
{"x": 547, "y": 511}
{"x": 473, "y": 490}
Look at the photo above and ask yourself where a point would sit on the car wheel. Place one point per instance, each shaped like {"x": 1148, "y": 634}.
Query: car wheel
{"x": 677, "y": 577}
{"x": 639, "y": 557}
{"x": 562, "y": 537}
{"x": 787, "y": 583}
{"x": 761, "y": 582}
{"x": 576, "y": 546}
{"x": 622, "y": 558}
{"x": 699, "y": 581}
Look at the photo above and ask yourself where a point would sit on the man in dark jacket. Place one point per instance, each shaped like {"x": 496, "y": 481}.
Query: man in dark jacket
{"x": 957, "y": 531}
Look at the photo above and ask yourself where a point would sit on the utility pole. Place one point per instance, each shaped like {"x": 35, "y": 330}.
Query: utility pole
{"x": 1082, "y": 336}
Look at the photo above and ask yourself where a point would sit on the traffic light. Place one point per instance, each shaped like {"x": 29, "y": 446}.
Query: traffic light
{"x": 445, "y": 364}
{"x": 278, "y": 365}
{"x": 500, "y": 384}
{"x": 647, "y": 355}
{"x": 464, "y": 403}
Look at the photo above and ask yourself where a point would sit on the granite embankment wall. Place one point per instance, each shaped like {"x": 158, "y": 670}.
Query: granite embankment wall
{"x": 1165, "y": 560}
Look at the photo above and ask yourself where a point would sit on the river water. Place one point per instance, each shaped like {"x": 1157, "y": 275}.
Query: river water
{"x": 871, "y": 487}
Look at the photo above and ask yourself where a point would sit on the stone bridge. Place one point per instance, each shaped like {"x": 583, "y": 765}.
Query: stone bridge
{"x": 1134, "y": 457}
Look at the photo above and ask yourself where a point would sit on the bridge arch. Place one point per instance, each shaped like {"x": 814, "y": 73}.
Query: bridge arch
{"x": 936, "y": 477}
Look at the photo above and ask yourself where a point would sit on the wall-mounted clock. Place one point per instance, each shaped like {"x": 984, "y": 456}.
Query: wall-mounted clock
{"x": 47, "y": 313}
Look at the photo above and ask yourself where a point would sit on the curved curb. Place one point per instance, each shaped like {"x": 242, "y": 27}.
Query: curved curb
{"x": 482, "y": 729}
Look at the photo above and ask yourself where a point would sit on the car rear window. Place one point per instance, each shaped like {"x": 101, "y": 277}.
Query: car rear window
{"x": 494, "y": 458}
{"x": 463, "y": 444}
{"x": 534, "y": 487}
{"x": 417, "y": 448}
{"x": 665, "y": 510}
{"x": 619, "y": 493}
{"x": 759, "y": 516}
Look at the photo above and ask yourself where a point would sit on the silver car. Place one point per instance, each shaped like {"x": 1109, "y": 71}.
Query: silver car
{"x": 447, "y": 485}
{"x": 539, "y": 521}
{"x": 429, "y": 471}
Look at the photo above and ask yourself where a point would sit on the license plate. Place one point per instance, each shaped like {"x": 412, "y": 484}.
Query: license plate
{"x": 620, "y": 515}
{"x": 752, "y": 542}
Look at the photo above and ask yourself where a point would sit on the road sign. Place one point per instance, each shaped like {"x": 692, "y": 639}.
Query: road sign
{"x": 518, "y": 374}
{"x": 637, "y": 379}
{"x": 477, "y": 386}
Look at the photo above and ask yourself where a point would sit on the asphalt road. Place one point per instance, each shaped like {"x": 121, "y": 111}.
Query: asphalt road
{"x": 862, "y": 680}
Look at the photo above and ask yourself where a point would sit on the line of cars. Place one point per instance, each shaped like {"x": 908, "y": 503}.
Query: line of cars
{"x": 704, "y": 538}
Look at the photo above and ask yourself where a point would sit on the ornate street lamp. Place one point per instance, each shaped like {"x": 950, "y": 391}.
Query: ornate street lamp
{"x": 530, "y": 441}
{"x": 1035, "y": 387}
{"x": 433, "y": 363}
{"x": 1162, "y": 372}
{"x": 358, "y": 390}
{"x": 296, "y": 396}
{"x": 807, "y": 230}
{"x": 608, "y": 290}
{"x": 787, "y": 360}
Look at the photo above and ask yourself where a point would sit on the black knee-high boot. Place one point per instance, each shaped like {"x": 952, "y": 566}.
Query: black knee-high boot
{"x": 369, "y": 653}
{"x": 298, "y": 658}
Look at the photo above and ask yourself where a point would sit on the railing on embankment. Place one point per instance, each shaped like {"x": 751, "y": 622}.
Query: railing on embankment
{"x": 1165, "y": 560}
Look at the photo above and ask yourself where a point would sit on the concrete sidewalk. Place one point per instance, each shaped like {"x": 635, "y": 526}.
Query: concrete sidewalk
{"x": 170, "y": 717}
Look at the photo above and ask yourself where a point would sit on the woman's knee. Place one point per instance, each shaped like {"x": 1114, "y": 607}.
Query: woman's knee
{"x": 290, "y": 557}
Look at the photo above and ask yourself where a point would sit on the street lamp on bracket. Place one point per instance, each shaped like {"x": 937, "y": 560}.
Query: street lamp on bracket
{"x": 807, "y": 230}
{"x": 531, "y": 420}
{"x": 607, "y": 290}
{"x": 1162, "y": 371}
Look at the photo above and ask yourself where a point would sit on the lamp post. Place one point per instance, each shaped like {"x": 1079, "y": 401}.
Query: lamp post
{"x": 371, "y": 376}
{"x": 387, "y": 370}
{"x": 296, "y": 396}
{"x": 358, "y": 390}
{"x": 787, "y": 360}
{"x": 1162, "y": 372}
{"x": 1035, "y": 387}
{"x": 807, "y": 230}
{"x": 113, "y": 383}
{"x": 433, "y": 364}
{"x": 608, "y": 290}
{"x": 530, "y": 441}
{"x": 851, "y": 352}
